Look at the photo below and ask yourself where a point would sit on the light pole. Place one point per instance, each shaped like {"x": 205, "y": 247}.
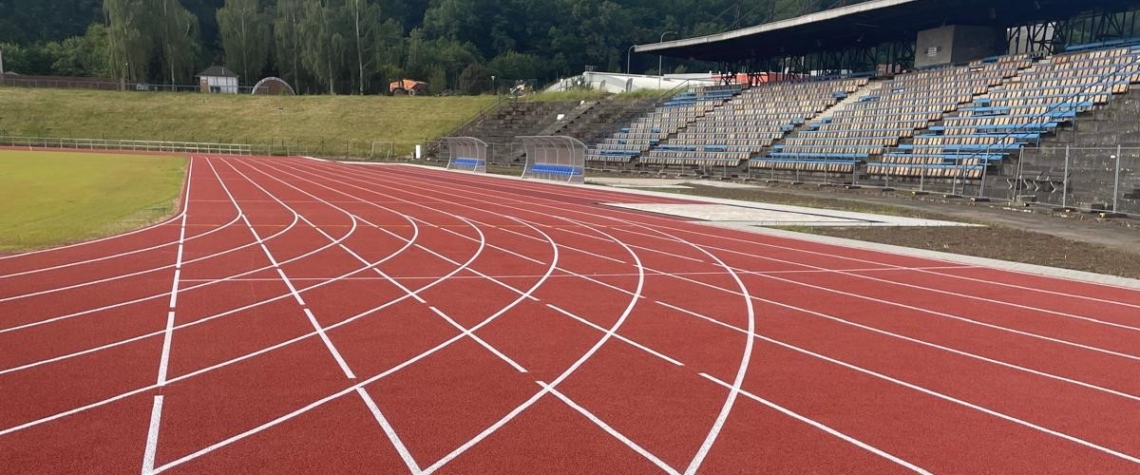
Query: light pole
{"x": 628, "y": 55}
{"x": 660, "y": 70}
{"x": 494, "y": 88}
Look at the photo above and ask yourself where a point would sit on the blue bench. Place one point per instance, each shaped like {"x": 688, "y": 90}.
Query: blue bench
{"x": 565, "y": 170}
{"x": 468, "y": 162}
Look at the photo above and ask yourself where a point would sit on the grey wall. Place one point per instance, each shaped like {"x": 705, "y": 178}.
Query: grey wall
{"x": 957, "y": 44}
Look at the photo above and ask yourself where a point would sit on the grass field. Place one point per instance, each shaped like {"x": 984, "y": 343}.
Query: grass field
{"x": 328, "y": 124}
{"x": 49, "y": 198}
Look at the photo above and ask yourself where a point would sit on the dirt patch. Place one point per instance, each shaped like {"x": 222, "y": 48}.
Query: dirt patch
{"x": 998, "y": 242}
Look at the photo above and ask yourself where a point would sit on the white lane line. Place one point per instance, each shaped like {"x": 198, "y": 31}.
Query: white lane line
{"x": 164, "y": 294}
{"x": 818, "y": 425}
{"x": 825, "y": 270}
{"x": 329, "y": 344}
{"x": 476, "y": 275}
{"x": 916, "y": 269}
{"x": 152, "y": 436}
{"x": 566, "y": 373}
{"x": 908, "y": 307}
{"x": 478, "y": 340}
{"x": 738, "y": 329}
{"x": 168, "y": 334}
{"x": 928, "y": 344}
{"x": 562, "y": 207}
{"x": 745, "y": 359}
{"x": 284, "y": 278}
{"x": 619, "y": 337}
{"x": 402, "y": 449}
{"x": 917, "y": 388}
{"x": 868, "y": 328}
{"x": 610, "y": 430}
{"x": 164, "y": 360}
{"x": 482, "y": 245}
{"x": 202, "y": 371}
{"x": 722, "y": 324}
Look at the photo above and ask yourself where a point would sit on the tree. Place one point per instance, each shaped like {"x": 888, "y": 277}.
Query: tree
{"x": 474, "y": 80}
{"x": 245, "y": 37}
{"x": 512, "y": 66}
{"x": 128, "y": 50}
{"x": 365, "y": 28}
{"x": 323, "y": 45}
{"x": 287, "y": 35}
{"x": 177, "y": 30}
{"x": 437, "y": 81}
{"x": 81, "y": 55}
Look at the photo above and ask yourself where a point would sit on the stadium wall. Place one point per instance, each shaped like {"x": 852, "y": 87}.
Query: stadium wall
{"x": 958, "y": 44}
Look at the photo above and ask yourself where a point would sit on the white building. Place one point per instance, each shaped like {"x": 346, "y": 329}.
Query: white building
{"x": 218, "y": 79}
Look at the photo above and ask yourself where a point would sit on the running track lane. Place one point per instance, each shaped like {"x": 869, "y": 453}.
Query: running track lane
{"x": 487, "y": 325}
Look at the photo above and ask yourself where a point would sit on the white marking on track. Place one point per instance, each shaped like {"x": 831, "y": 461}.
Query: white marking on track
{"x": 610, "y": 430}
{"x": 819, "y": 425}
{"x": 619, "y": 337}
{"x": 329, "y": 344}
{"x": 402, "y": 449}
{"x": 917, "y": 388}
{"x": 566, "y": 373}
{"x": 478, "y": 340}
{"x": 152, "y": 437}
{"x": 164, "y": 360}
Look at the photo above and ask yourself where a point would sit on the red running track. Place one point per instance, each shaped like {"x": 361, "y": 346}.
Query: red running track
{"x": 311, "y": 317}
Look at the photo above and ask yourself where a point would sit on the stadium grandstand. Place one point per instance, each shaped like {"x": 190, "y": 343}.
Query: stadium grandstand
{"x": 939, "y": 92}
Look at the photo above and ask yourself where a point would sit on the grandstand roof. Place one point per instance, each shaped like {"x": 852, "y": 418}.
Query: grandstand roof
{"x": 870, "y": 23}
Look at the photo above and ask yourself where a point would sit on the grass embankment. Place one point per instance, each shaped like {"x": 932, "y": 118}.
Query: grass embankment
{"x": 326, "y": 125}
{"x": 49, "y": 199}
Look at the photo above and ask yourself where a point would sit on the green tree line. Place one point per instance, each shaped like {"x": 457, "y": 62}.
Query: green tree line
{"x": 357, "y": 46}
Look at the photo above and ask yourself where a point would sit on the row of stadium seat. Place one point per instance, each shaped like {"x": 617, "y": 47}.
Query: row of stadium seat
{"x": 648, "y": 131}
{"x": 941, "y": 122}
{"x": 756, "y": 118}
{"x": 1035, "y": 102}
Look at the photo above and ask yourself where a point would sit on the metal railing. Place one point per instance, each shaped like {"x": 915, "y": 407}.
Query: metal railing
{"x": 348, "y": 150}
{"x": 160, "y": 146}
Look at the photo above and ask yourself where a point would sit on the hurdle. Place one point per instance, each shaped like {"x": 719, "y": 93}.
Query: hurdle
{"x": 466, "y": 153}
{"x": 554, "y": 158}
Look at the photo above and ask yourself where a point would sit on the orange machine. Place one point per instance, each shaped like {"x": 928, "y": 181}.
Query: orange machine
{"x": 409, "y": 87}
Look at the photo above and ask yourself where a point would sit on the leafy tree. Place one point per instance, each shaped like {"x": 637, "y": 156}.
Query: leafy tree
{"x": 352, "y": 45}
{"x": 474, "y": 80}
{"x": 514, "y": 65}
{"x": 323, "y": 42}
{"x": 287, "y": 39}
{"x": 365, "y": 18}
{"x": 245, "y": 35}
{"x": 128, "y": 50}
{"x": 437, "y": 81}
{"x": 177, "y": 30}
{"x": 81, "y": 55}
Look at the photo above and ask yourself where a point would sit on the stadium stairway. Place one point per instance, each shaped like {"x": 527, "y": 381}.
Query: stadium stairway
{"x": 514, "y": 119}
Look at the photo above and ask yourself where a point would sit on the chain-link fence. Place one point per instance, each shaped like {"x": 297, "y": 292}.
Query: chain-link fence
{"x": 1105, "y": 179}
{"x": 1089, "y": 179}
